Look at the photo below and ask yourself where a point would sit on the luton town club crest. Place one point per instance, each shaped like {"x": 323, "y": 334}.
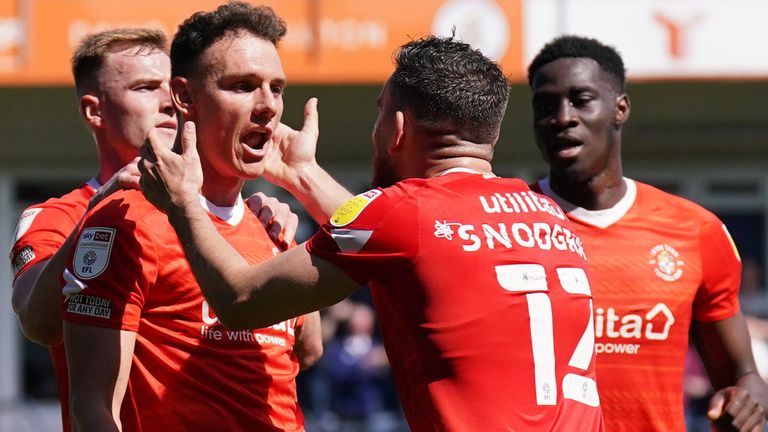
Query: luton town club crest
{"x": 666, "y": 262}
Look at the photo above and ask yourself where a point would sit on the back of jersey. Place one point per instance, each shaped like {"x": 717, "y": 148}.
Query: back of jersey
{"x": 482, "y": 292}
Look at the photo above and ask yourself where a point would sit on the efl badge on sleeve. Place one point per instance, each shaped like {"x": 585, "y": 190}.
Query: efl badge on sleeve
{"x": 92, "y": 253}
{"x": 25, "y": 221}
{"x": 350, "y": 210}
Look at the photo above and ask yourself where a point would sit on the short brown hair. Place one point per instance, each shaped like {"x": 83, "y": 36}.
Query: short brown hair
{"x": 203, "y": 29}
{"x": 94, "y": 48}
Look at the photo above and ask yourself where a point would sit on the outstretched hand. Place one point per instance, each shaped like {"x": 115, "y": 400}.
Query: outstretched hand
{"x": 126, "y": 178}
{"x": 734, "y": 409}
{"x": 293, "y": 151}
{"x": 169, "y": 180}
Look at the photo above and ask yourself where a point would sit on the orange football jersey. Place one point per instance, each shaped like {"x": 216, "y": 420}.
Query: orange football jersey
{"x": 657, "y": 262}
{"x": 40, "y": 232}
{"x": 127, "y": 271}
{"x": 483, "y": 296}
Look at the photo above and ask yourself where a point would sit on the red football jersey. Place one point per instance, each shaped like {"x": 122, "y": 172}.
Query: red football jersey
{"x": 188, "y": 371}
{"x": 481, "y": 290}
{"x": 657, "y": 261}
{"x": 41, "y": 231}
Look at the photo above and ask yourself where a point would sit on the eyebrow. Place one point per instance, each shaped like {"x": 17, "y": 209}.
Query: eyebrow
{"x": 248, "y": 75}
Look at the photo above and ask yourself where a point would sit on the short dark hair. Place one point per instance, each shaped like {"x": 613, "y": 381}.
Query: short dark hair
{"x": 446, "y": 83}
{"x": 203, "y": 29}
{"x": 92, "y": 51}
{"x": 570, "y": 46}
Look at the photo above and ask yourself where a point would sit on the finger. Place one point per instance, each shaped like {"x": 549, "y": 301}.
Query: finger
{"x": 716, "y": 405}
{"x": 756, "y": 421}
{"x": 311, "y": 117}
{"x": 278, "y": 221}
{"x": 289, "y": 232}
{"x": 189, "y": 139}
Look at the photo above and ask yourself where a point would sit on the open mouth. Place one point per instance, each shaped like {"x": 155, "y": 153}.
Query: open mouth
{"x": 256, "y": 140}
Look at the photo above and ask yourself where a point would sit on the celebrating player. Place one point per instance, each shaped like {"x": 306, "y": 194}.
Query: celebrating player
{"x": 145, "y": 351}
{"x": 480, "y": 285}
{"x": 661, "y": 265}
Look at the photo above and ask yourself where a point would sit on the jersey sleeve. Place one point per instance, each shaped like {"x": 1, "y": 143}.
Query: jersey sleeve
{"x": 110, "y": 269}
{"x": 717, "y": 297}
{"x": 371, "y": 234}
{"x": 40, "y": 232}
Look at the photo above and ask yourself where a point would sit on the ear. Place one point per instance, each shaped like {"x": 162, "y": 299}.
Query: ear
{"x": 398, "y": 138}
{"x": 90, "y": 109}
{"x": 622, "y": 109}
{"x": 181, "y": 96}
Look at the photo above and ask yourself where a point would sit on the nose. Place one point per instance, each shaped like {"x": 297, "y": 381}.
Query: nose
{"x": 565, "y": 114}
{"x": 166, "y": 102}
{"x": 266, "y": 103}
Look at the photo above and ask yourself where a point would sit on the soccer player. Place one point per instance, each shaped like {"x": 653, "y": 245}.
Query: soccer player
{"x": 661, "y": 265}
{"x": 144, "y": 350}
{"x": 479, "y": 284}
{"x": 122, "y": 82}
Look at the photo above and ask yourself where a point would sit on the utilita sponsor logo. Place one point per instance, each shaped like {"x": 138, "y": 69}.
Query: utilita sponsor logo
{"x": 654, "y": 325}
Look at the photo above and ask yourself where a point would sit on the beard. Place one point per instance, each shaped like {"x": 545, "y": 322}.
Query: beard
{"x": 383, "y": 173}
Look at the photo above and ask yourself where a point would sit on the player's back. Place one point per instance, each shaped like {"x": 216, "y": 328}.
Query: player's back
{"x": 482, "y": 293}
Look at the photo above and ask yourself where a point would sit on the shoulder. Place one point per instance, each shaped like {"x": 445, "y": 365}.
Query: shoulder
{"x": 125, "y": 208}
{"x": 674, "y": 206}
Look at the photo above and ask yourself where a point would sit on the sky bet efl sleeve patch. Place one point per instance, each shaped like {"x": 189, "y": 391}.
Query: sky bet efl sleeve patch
{"x": 350, "y": 210}
{"x": 92, "y": 253}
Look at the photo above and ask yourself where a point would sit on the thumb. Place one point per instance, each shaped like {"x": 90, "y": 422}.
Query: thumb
{"x": 716, "y": 405}
{"x": 189, "y": 139}
{"x": 311, "y": 117}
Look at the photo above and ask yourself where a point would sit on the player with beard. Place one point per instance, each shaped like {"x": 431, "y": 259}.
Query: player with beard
{"x": 484, "y": 307}
{"x": 662, "y": 266}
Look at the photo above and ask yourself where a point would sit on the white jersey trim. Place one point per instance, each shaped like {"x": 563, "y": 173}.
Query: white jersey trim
{"x": 599, "y": 218}
{"x": 231, "y": 215}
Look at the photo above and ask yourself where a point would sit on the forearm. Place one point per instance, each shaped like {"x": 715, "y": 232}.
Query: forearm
{"x": 318, "y": 192}
{"x": 254, "y": 296}
{"x": 91, "y": 415}
{"x": 39, "y": 310}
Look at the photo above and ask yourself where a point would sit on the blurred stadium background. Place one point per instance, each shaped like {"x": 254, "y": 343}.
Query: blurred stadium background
{"x": 698, "y": 79}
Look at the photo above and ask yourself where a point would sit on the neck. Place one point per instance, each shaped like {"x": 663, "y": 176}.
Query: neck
{"x": 450, "y": 152}
{"x": 600, "y": 192}
{"x": 222, "y": 193}
{"x": 111, "y": 160}
{"x": 464, "y": 163}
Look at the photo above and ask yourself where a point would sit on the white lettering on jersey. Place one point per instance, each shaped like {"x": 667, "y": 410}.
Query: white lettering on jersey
{"x": 82, "y": 304}
{"x": 520, "y": 202}
{"x": 92, "y": 253}
{"x": 538, "y": 234}
{"x": 213, "y": 330}
{"x": 610, "y": 325}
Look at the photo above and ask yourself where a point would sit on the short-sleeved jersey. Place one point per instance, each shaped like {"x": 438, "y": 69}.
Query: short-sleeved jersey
{"x": 188, "y": 373}
{"x": 657, "y": 262}
{"x": 40, "y": 232}
{"x": 483, "y": 297}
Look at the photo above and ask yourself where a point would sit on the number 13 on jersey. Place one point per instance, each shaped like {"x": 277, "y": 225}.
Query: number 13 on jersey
{"x": 531, "y": 279}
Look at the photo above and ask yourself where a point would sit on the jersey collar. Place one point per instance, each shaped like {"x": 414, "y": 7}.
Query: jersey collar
{"x": 599, "y": 218}
{"x": 465, "y": 170}
{"x": 231, "y": 215}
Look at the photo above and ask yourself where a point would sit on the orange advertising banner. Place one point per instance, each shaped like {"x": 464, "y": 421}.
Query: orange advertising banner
{"x": 328, "y": 41}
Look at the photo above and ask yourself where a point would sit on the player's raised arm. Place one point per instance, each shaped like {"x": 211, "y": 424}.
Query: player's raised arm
{"x": 293, "y": 283}
{"x": 292, "y": 165}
